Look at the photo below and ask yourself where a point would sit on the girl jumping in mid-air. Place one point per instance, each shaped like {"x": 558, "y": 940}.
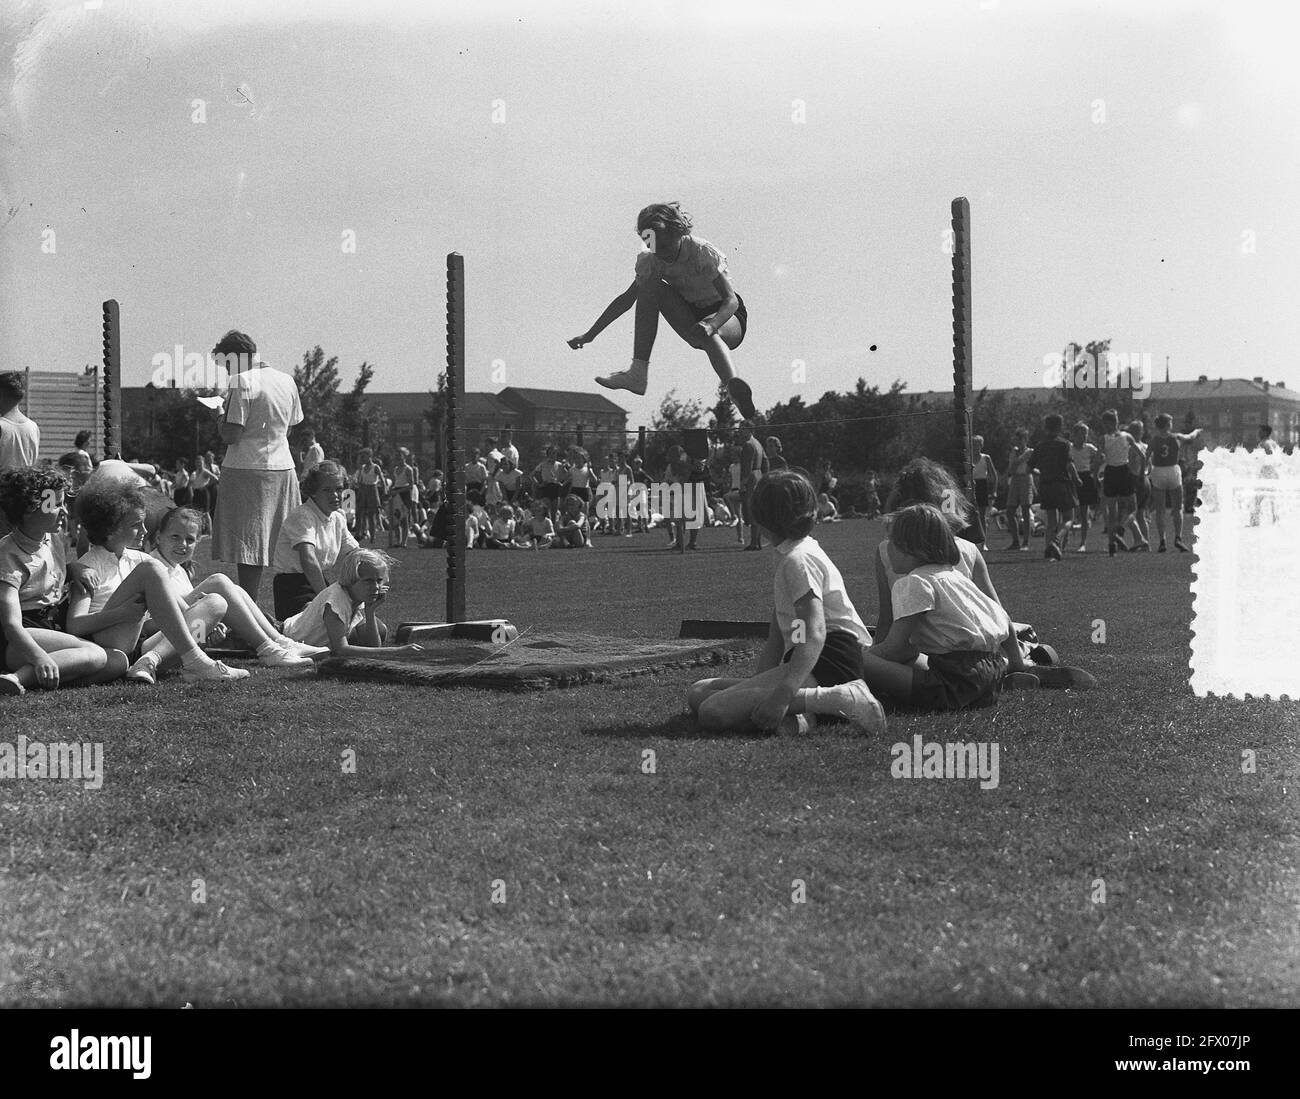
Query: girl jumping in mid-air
{"x": 812, "y": 663}
{"x": 684, "y": 278}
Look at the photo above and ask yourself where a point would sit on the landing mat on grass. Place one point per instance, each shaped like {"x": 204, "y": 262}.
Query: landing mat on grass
{"x": 537, "y": 661}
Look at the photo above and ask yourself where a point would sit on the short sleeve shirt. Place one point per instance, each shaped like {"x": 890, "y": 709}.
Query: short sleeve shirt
{"x": 328, "y": 533}
{"x": 110, "y": 570}
{"x": 802, "y": 567}
{"x": 39, "y": 570}
{"x": 266, "y": 404}
{"x": 20, "y": 441}
{"x": 308, "y": 626}
{"x": 691, "y": 274}
{"x": 956, "y": 615}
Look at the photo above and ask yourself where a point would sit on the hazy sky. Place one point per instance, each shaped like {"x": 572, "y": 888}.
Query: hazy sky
{"x": 1117, "y": 158}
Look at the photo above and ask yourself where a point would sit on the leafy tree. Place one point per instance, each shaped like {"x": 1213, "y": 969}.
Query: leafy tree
{"x": 343, "y": 423}
{"x": 666, "y": 427}
{"x": 360, "y": 424}
{"x": 177, "y": 427}
{"x": 436, "y": 415}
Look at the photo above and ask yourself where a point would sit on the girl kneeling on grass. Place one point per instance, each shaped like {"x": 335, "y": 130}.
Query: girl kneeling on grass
{"x": 342, "y": 616}
{"x": 940, "y": 612}
{"x": 174, "y": 546}
{"x": 814, "y": 625}
{"x": 35, "y": 564}
{"x": 129, "y": 584}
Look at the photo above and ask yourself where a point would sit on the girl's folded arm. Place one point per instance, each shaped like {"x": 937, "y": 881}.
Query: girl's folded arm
{"x": 897, "y": 647}
{"x": 808, "y": 610}
{"x": 311, "y": 566}
{"x": 773, "y": 648}
{"x": 81, "y": 623}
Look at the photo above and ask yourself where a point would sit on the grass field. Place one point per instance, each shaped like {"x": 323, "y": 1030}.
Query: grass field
{"x": 676, "y": 887}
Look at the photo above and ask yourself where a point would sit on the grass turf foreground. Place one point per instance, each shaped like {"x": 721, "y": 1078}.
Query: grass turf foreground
{"x": 492, "y": 849}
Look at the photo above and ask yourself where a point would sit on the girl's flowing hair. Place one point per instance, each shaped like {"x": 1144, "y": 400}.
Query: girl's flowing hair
{"x": 923, "y": 481}
{"x": 665, "y": 217}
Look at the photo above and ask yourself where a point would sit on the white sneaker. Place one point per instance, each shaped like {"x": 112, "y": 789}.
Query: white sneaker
{"x": 216, "y": 672}
{"x": 301, "y": 649}
{"x": 9, "y": 685}
{"x": 284, "y": 658}
{"x": 858, "y": 706}
{"x": 143, "y": 670}
{"x": 626, "y": 379}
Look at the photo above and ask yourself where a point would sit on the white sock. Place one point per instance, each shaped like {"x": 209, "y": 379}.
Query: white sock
{"x": 639, "y": 366}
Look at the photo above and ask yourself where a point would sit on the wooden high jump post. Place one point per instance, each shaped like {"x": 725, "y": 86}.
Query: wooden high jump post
{"x": 962, "y": 359}
{"x": 455, "y": 473}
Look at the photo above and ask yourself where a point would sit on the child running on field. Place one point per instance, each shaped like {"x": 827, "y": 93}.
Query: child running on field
{"x": 35, "y": 568}
{"x": 684, "y": 278}
{"x": 314, "y": 539}
{"x": 1119, "y": 451}
{"x": 937, "y": 611}
{"x": 1167, "y": 478}
{"x": 1020, "y": 491}
{"x": 812, "y": 663}
{"x": 343, "y": 616}
{"x": 130, "y": 585}
{"x": 1057, "y": 484}
{"x": 174, "y": 545}
{"x": 1084, "y": 456}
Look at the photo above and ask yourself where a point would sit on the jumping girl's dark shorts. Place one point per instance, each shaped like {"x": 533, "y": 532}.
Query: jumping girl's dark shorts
{"x": 840, "y": 660}
{"x": 742, "y": 314}
{"x": 1088, "y": 491}
{"x": 1117, "y": 481}
{"x": 958, "y": 681}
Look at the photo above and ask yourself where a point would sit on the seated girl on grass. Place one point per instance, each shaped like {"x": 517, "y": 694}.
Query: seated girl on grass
{"x": 812, "y": 663}
{"x": 313, "y": 540}
{"x": 571, "y": 530}
{"x": 342, "y": 617}
{"x": 35, "y": 566}
{"x": 938, "y": 611}
{"x": 923, "y": 481}
{"x": 174, "y": 546}
{"x": 128, "y": 584}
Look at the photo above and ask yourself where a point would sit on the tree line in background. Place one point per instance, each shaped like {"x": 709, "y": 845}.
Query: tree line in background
{"x": 867, "y": 429}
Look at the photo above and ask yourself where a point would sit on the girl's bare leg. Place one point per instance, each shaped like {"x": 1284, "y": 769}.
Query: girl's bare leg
{"x": 730, "y": 708}
{"x": 884, "y": 677}
{"x": 660, "y": 298}
{"x": 199, "y": 620}
{"x": 238, "y": 603}
{"x": 149, "y": 580}
{"x": 78, "y": 659}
